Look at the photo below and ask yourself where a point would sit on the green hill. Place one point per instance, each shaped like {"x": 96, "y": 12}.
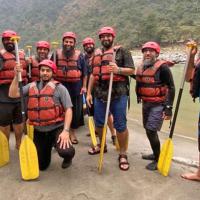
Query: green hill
{"x": 136, "y": 21}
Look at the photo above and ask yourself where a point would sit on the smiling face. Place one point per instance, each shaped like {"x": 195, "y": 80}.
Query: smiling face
{"x": 42, "y": 53}
{"x": 106, "y": 40}
{"x": 46, "y": 73}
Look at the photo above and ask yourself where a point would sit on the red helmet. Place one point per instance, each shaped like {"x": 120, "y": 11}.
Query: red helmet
{"x": 107, "y": 30}
{"x": 8, "y": 34}
{"x": 151, "y": 45}
{"x": 50, "y": 64}
{"x": 69, "y": 34}
{"x": 43, "y": 44}
{"x": 88, "y": 40}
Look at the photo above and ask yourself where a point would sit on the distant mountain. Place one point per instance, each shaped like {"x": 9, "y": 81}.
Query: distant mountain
{"x": 136, "y": 21}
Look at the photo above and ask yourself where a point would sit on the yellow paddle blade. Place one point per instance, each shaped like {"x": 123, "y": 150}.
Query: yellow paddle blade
{"x": 28, "y": 159}
{"x": 103, "y": 141}
{"x": 4, "y": 150}
{"x": 166, "y": 154}
{"x": 92, "y": 131}
{"x": 30, "y": 130}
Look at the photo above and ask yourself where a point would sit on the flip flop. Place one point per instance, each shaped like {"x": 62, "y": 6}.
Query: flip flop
{"x": 121, "y": 163}
{"x": 74, "y": 141}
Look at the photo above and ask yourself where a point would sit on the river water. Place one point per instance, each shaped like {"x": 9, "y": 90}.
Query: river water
{"x": 186, "y": 124}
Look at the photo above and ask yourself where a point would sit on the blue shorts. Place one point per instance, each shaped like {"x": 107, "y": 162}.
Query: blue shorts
{"x": 117, "y": 109}
{"x": 152, "y": 116}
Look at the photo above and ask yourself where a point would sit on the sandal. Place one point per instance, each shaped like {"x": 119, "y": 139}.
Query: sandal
{"x": 74, "y": 141}
{"x": 96, "y": 150}
{"x": 122, "y": 163}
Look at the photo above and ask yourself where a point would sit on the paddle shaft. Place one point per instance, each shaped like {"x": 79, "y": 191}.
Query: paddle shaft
{"x": 55, "y": 45}
{"x": 19, "y": 76}
{"x": 179, "y": 95}
{"x": 29, "y": 65}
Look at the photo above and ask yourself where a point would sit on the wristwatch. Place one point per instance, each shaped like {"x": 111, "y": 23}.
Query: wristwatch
{"x": 168, "y": 107}
{"x": 66, "y": 129}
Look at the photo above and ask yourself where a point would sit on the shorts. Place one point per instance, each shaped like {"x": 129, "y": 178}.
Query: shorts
{"x": 152, "y": 116}
{"x": 10, "y": 113}
{"x": 118, "y": 108}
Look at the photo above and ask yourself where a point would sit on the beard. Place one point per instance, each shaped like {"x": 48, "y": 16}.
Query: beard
{"x": 89, "y": 50}
{"x": 149, "y": 62}
{"x": 107, "y": 44}
{"x": 68, "y": 50}
{"x": 10, "y": 47}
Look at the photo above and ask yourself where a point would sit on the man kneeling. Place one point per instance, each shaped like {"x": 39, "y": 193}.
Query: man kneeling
{"x": 49, "y": 110}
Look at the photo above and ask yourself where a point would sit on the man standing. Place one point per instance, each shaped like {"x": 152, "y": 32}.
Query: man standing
{"x": 42, "y": 50}
{"x": 10, "y": 109}
{"x": 72, "y": 73}
{"x": 49, "y": 110}
{"x": 102, "y": 66}
{"x": 155, "y": 88}
{"x": 89, "y": 49}
{"x": 194, "y": 77}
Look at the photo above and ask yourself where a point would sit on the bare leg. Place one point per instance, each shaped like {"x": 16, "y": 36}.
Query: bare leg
{"x": 193, "y": 176}
{"x": 73, "y": 136}
{"x": 123, "y": 145}
{"x": 18, "y": 130}
{"x": 110, "y": 125}
{"x": 6, "y": 131}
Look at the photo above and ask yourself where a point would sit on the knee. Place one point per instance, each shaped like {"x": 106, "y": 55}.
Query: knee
{"x": 66, "y": 153}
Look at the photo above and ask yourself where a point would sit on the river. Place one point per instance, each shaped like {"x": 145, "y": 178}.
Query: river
{"x": 186, "y": 124}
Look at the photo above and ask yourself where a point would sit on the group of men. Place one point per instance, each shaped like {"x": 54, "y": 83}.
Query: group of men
{"x": 55, "y": 89}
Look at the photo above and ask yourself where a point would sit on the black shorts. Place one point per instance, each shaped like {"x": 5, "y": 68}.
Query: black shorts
{"x": 10, "y": 113}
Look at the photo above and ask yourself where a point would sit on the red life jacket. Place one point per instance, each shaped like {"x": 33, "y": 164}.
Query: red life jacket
{"x": 100, "y": 65}
{"x": 35, "y": 72}
{"x": 42, "y": 109}
{"x": 148, "y": 88}
{"x": 68, "y": 70}
{"x": 9, "y": 62}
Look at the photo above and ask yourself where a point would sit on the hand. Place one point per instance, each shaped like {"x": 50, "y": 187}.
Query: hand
{"x": 167, "y": 114}
{"x": 193, "y": 45}
{"x": 18, "y": 68}
{"x": 89, "y": 100}
{"x": 83, "y": 90}
{"x": 113, "y": 68}
{"x": 64, "y": 140}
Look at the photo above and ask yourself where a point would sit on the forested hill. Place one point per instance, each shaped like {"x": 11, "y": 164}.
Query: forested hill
{"x": 136, "y": 21}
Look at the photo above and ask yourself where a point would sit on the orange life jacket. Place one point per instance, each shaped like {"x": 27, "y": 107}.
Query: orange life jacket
{"x": 100, "y": 65}
{"x": 42, "y": 109}
{"x": 67, "y": 68}
{"x": 148, "y": 88}
{"x": 35, "y": 72}
{"x": 9, "y": 62}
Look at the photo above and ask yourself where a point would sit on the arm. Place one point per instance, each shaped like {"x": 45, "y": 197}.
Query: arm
{"x": 90, "y": 88}
{"x": 14, "y": 88}
{"x": 64, "y": 138}
{"x": 190, "y": 67}
{"x": 167, "y": 78}
{"x": 124, "y": 63}
{"x": 83, "y": 65}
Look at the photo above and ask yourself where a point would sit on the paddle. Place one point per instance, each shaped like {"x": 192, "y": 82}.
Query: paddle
{"x": 29, "y": 65}
{"x": 27, "y": 151}
{"x": 54, "y": 45}
{"x": 4, "y": 150}
{"x": 166, "y": 154}
{"x": 103, "y": 140}
{"x": 90, "y": 124}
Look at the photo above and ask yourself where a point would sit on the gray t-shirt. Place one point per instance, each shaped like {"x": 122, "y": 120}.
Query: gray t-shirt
{"x": 61, "y": 96}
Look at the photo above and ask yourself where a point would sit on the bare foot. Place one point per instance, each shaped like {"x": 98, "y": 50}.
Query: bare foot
{"x": 191, "y": 176}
